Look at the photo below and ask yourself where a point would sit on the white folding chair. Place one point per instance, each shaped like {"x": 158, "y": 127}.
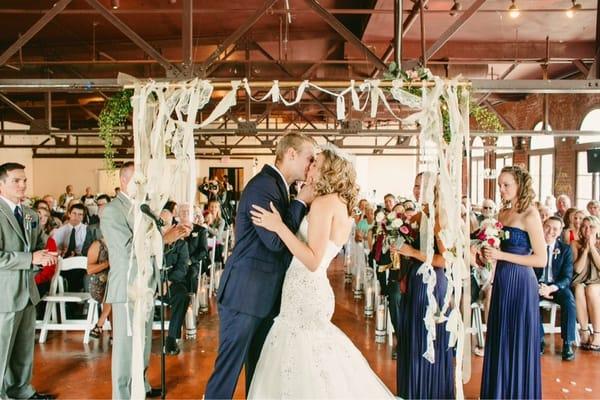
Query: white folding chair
{"x": 226, "y": 244}
{"x": 551, "y": 326}
{"x": 57, "y": 296}
{"x": 212, "y": 245}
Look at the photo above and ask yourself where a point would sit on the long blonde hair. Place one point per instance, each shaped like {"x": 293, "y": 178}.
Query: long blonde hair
{"x": 338, "y": 176}
{"x": 525, "y": 194}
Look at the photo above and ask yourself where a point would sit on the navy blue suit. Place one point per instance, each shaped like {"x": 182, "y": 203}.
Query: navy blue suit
{"x": 249, "y": 294}
{"x": 562, "y": 275}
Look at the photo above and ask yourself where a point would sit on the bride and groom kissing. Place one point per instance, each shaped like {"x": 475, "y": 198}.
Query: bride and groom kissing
{"x": 275, "y": 302}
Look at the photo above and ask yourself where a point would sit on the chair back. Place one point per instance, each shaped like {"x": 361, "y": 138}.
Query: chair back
{"x": 71, "y": 263}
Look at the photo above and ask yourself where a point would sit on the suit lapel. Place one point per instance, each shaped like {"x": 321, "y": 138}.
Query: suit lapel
{"x": 13, "y": 221}
{"x": 280, "y": 183}
{"x": 126, "y": 207}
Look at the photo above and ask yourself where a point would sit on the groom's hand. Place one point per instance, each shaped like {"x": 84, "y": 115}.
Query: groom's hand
{"x": 307, "y": 193}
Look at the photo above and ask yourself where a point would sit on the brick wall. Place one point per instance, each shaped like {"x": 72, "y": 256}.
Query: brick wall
{"x": 566, "y": 113}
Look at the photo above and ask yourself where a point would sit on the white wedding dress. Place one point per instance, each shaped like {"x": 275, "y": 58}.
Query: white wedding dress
{"x": 305, "y": 356}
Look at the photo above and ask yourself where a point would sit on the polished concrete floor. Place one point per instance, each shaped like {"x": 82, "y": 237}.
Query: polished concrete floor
{"x": 66, "y": 367}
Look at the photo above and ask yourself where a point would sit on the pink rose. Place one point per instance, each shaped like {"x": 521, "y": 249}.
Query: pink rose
{"x": 491, "y": 241}
{"x": 404, "y": 230}
{"x": 499, "y": 225}
{"x": 481, "y": 236}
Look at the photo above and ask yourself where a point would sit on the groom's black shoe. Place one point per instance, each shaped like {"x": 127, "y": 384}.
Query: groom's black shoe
{"x": 153, "y": 393}
{"x": 171, "y": 346}
{"x": 567, "y": 352}
{"x": 44, "y": 396}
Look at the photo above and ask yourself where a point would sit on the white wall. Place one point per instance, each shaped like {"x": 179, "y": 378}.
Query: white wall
{"x": 50, "y": 176}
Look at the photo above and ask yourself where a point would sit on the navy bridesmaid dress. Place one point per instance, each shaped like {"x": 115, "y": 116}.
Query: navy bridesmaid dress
{"x": 417, "y": 378}
{"x": 511, "y": 366}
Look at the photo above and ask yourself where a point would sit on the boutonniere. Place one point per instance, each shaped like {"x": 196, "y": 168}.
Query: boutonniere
{"x": 28, "y": 222}
{"x": 556, "y": 252}
{"x": 194, "y": 234}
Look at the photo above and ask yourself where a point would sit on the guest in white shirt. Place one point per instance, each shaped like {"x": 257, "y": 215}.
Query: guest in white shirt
{"x": 69, "y": 241}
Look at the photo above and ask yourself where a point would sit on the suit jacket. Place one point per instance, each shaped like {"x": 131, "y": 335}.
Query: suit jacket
{"x": 253, "y": 275}
{"x": 177, "y": 259}
{"x": 117, "y": 227}
{"x": 562, "y": 266}
{"x": 17, "y": 285}
{"x": 92, "y": 234}
{"x": 198, "y": 245}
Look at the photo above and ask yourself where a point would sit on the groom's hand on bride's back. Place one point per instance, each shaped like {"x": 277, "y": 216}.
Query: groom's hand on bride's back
{"x": 307, "y": 193}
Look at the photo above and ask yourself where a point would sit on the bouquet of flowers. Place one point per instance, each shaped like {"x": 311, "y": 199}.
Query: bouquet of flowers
{"x": 392, "y": 229}
{"x": 490, "y": 234}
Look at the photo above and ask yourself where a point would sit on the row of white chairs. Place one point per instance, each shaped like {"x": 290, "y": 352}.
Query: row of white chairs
{"x": 55, "y": 316}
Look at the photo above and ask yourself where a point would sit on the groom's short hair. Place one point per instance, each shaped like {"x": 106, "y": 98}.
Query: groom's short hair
{"x": 291, "y": 140}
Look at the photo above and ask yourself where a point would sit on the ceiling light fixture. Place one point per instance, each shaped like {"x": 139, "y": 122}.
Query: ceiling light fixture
{"x": 114, "y": 4}
{"x": 513, "y": 10}
{"x": 455, "y": 8}
{"x": 574, "y": 8}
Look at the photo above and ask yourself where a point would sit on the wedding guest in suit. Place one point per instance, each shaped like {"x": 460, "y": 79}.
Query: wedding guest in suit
{"x": 249, "y": 294}
{"x": 197, "y": 247}
{"x": 21, "y": 246}
{"x": 555, "y": 284}
{"x": 176, "y": 259}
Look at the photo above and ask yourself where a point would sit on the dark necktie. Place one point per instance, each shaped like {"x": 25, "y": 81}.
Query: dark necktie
{"x": 545, "y": 276}
{"x": 19, "y": 217}
{"x": 71, "y": 246}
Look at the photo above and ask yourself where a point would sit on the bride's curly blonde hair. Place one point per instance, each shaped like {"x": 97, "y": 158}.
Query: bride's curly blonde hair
{"x": 338, "y": 176}
{"x": 525, "y": 194}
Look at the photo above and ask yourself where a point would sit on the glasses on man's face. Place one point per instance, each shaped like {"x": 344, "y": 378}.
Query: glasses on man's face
{"x": 488, "y": 208}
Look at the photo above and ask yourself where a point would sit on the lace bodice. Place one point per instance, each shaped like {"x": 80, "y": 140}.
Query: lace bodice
{"x": 307, "y": 297}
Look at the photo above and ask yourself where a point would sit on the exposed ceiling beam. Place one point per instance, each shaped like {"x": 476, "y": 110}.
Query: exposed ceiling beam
{"x": 33, "y": 30}
{"x": 581, "y": 67}
{"x": 500, "y": 116}
{"x": 447, "y": 35}
{"x": 346, "y": 33}
{"x": 501, "y": 77}
{"x": 15, "y": 107}
{"x": 406, "y": 25}
{"x": 234, "y": 37}
{"x": 172, "y": 70}
{"x": 187, "y": 34}
{"x": 309, "y": 72}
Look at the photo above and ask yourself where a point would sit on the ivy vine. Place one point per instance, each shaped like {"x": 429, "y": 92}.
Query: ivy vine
{"x": 111, "y": 118}
{"x": 484, "y": 118}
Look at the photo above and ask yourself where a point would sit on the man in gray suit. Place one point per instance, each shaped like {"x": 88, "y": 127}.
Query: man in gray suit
{"x": 21, "y": 247}
{"x": 116, "y": 225}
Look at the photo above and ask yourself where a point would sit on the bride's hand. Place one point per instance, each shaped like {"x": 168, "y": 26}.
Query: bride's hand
{"x": 270, "y": 220}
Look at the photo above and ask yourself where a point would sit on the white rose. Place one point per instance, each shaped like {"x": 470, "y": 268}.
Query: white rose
{"x": 379, "y": 217}
{"x": 391, "y": 216}
{"x": 397, "y": 223}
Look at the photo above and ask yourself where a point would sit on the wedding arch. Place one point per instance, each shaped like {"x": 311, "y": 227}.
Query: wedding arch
{"x": 164, "y": 120}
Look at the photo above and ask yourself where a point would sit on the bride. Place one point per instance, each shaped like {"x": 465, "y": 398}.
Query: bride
{"x": 305, "y": 355}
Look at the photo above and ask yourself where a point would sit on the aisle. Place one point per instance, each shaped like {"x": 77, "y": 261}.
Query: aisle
{"x": 71, "y": 370}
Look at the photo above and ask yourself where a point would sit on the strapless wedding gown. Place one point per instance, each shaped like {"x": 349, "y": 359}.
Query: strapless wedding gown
{"x": 305, "y": 356}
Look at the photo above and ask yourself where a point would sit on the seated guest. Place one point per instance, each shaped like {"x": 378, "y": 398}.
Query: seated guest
{"x": 197, "y": 247}
{"x": 572, "y": 222}
{"x": 555, "y": 284}
{"x": 544, "y": 212}
{"x": 216, "y": 226}
{"x": 44, "y": 275}
{"x": 586, "y": 283}
{"x": 488, "y": 210}
{"x": 97, "y": 268}
{"x": 176, "y": 260}
{"x": 65, "y": 198}
{"x": 88, "y": 196}
{"x": 69, "y": 239}
{"x": 593, "y": 207}
{"x": 563, "y": 203}
{"x": 93, "y": 229}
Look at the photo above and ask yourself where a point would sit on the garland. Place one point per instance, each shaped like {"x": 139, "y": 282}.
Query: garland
{"x": 485, "y": 119}
{"x": 113, "y": 116}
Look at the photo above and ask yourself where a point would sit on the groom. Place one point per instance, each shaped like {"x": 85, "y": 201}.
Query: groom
{"x": 250, "y": 291}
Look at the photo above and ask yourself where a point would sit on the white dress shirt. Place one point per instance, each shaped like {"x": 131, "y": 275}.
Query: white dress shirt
{"x": 62, "y": 235}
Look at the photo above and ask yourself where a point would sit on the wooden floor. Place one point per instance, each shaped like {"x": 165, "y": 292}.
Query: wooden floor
{"x": 69, "y": 369}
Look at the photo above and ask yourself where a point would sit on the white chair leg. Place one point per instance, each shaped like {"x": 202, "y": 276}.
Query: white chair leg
{"x": 44, "y": 331}
{"x": 553, "y": 318}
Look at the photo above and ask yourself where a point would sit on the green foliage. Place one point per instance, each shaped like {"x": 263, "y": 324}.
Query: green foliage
{"x": 113, "y": 116}
{"x": 485, "y": 119}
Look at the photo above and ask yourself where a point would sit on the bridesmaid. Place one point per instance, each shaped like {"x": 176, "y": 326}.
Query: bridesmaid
{"x": 511, "y": 366}
{"x": 417, "y": 377}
